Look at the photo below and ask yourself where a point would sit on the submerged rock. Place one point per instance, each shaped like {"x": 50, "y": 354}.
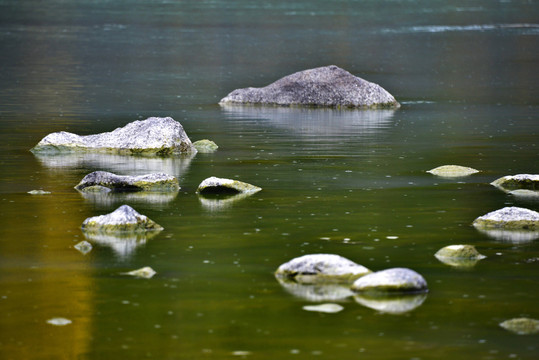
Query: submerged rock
{"x": 205, "y": 146}
{"x": 459, "y": 255}
{"x": 59, "y": 321}
{"x": 153, "y": 136}
{"x": 215, "y": 185}
{"x": 124, "y": 219}
{"x": 103, "y": 182}
{"x": 84, "y": 247}
{"x": 396, "y": 280}
{"x": 394, "y": 304}
{"x": 145, "y": 272}
{"x": 521, "y": 326}
{"x": 324, "y": 308}
{"x": 509, "y": 218}
{"x": 38, "y": 192}
{"x": 520, "y": 181}
{"x": 452, "y": 171}
{"x": 328, "y": 86}
{"x": 317, "y": 268}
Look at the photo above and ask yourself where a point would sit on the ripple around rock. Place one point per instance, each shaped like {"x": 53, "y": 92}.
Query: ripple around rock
{"x": 509, "y": 218}
{"x": 123, "y": 220}
{"x": 452, "y": 171}
{"x": 100, "y": 181}
{"x": 328, "y": 86}
{"x": 316, "y": 268}
{"x": 153, "y": 136}
{"x": 395, "y": 280}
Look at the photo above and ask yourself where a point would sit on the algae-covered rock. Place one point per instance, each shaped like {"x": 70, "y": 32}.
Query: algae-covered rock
{"x": 153, "y": 136}
{"x": 459, "y": 255}
{"x": 391, "y": 304}
{"x": 509, "y": 218}
{"x": 205, "y": 146}
{"x": 145, "y": 272}
{"x": 328, "y": 86}
{"x": 84, "y": 247}
{"x": 521, "y": 326}
{"x": 98, "y": 180}
{"x": 123, "y": 220}
{"x": 452, "y": 171}
{"x": 396, "y": 280}
{"x": 38, "y": 192}
{"x": 215, "y": 185}
{"x": 520, "y": 181}
{"x": 318, "y": 268}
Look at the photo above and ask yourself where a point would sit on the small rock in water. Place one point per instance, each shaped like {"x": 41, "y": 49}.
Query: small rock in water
{"x": 103, "y": 181}
{"x": 459, "y": 255}
{"x": 59, "y": 321}
{"x": 122, "y": 220}
{"x": 452, "y": 171}
{"x": 215, "y": 185}
{"x": 205, "y": 146}
{"x": 84, "y": 247}
{"x": 325, "y": 308}
{"x": 145, "y": 272}
{"x": 241, "y": 353}
{"x": 521, "y": 326}
{"x": 520, "y": 181}
{"x": 396, "y": 280}
{"x": 38, "y": 192}
{"x": 509, "y": 218}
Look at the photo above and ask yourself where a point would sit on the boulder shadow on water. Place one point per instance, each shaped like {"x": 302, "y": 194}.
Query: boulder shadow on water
{"x": 391, "y": 304}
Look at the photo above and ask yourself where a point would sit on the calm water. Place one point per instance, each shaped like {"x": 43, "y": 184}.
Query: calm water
{"x": 343, "y": 182}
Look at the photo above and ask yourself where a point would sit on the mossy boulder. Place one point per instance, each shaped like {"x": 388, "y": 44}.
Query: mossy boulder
{"x": 521, "y": 326}
{"x": 452, "y": 171}
{"x": 215, "y": 185}
{"x": 509, "y": 218}
{"x": 99, "y": 181}
{"x": 520, "y": 181}
{"x": 150, "y": 137}
{"x": 123, "y": 220}
{"x": 205, "y": 146}
{"x": 395, "y": 280}
{"x": 328, "y": 86}
{"x": 320, "y": 268}
{"x": 459, "y": 255}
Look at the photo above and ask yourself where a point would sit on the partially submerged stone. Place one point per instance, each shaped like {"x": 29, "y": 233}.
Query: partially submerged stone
{"x": 509, "y": 218}
{"x": 459, "y": 255}
{"x": 145, "y": 272}
{"x": 153, "y": 136}
{"x": 520, "y": 181}
{"x": 124, "y": 219}
{"x": 394, "y": 304}
{"x": 452, "y": 171}
{"x": 84, "y": 247}
{"x": 38, "y": 192}
{"x": 215, "y": 185}
{"x": 318, "y": 268}
{"x": 59, "y": 321}
{"x": 99, "y": 181}
{"x": 396, "y": 280}
{"x": 521, "y": 326}
{"x": 205, "y": 146}
{"x": 324, "y": 308}
{"x": 328, "y": 86}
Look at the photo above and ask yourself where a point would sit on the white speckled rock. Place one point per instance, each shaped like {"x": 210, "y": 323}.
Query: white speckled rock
{"x": 215, "y": 185}
{"x": 320, "y": 268}
{"x": 509, "y": 218}
{"x": 149, "y": 182}
{"x": 452, "y": 171}
{"x": 123, "y": 219}
{"x": 520, "y": 181}
{"x": 328, "y": 86}
{"x": 153, "y": 136}
{"x": 396, "y": 280}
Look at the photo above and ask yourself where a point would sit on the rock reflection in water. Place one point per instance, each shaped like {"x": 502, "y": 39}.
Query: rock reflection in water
{"x": 121, "y": 164}
{"x": 220, "y": 202}
{"x": 316, "y": 121}
{"x": 124, "y": 244}
{"x": 317, "y": 292}
{"x": 511, "y": 236}
{"x": 392, "y": 304}
{"x": 111, "y": 199}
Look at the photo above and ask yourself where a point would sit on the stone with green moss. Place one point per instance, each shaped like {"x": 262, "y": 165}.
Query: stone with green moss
{"x": 215, "y": 185}
{"x": 452, "y": 171}
{"x": 205, "y": 146}
{"x": 521, "y": 326}
{"x": 395, "y": 280}
{"x": 123, "y": 220}
{"x": 459, "y": 255}
{"x": 151, "y": 137}
{"x": 98, "y": 181}
{"x": 520, "y": 181}
{"x": 509, "y": 218}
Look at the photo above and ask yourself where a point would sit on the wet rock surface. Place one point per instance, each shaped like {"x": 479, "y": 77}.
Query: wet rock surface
{"x": 103, "y": 182}
{"x": 328, "y": 86}
{"x": 395, "y": 280}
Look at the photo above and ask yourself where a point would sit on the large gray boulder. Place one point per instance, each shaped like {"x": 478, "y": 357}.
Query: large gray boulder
{"x": 103, "y": 181}
{"x": 316, "y": 268}
{"x": 396, "y": 280}
{"x": 509, "y": 218}
{"x": 125, "y": 219}
{"x": 153, "y": 136}
{"x": 515, "y": 182}
{"x": 328, "y": 86}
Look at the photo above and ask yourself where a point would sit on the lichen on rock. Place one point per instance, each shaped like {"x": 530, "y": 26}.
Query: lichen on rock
{"x": 452, "y": 171}
{"x": 328, "y": 86}
{"x": 395, "y": 280}
{"x": 509, "y": 218}
{"x": 97, "y": 180}
{"x": 123, "y": 220}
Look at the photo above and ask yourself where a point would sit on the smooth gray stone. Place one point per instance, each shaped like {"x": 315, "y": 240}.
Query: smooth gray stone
{"x": 395, "y": 280}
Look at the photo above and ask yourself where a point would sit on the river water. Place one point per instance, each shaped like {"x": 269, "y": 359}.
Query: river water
{"x": 352, "y": 183}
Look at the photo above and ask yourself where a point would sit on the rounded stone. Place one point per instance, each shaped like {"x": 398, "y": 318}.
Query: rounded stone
{"x": 215, "y": 185}
{"x": 521, "y": 326}
{"x": 395, "y": 280}
{"x": 103, "y": 181}
{"x": 205, "y": 146}
{"x": 509, "y": 218}
{"x": 520, "y": 181}
{"x": 452, "y": 171}
{"x": 123, "y": 219}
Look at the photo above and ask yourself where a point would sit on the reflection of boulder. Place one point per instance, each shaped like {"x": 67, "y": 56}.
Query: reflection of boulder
{"x": 511, "y": 236}
{"x": 107, "y": 199}
{"x": 459, "y": 255}
{"x": 395, "y": 280}
{"x": 153, "y": 136}
{"x": 328, "y": 86}
{"x": 135, "y": 165}
{"x": 320, "y": 268}
{"x": 123, "y": 244}
{"x": 319, "y": 122}
{"x": 394, "y": 304}
{"x": 159, "y": 182}
{"x": 220, "y": 202}
{"x": 452, "y": 171}
{"x": 316, "y": 292}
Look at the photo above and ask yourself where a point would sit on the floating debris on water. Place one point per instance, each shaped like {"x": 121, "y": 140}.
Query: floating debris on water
{"x": 325, "y": 308}
{"x": 59, "y": 321}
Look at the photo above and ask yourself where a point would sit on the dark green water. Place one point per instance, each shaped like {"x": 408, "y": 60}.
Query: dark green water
{"x": 349, "y": 183}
